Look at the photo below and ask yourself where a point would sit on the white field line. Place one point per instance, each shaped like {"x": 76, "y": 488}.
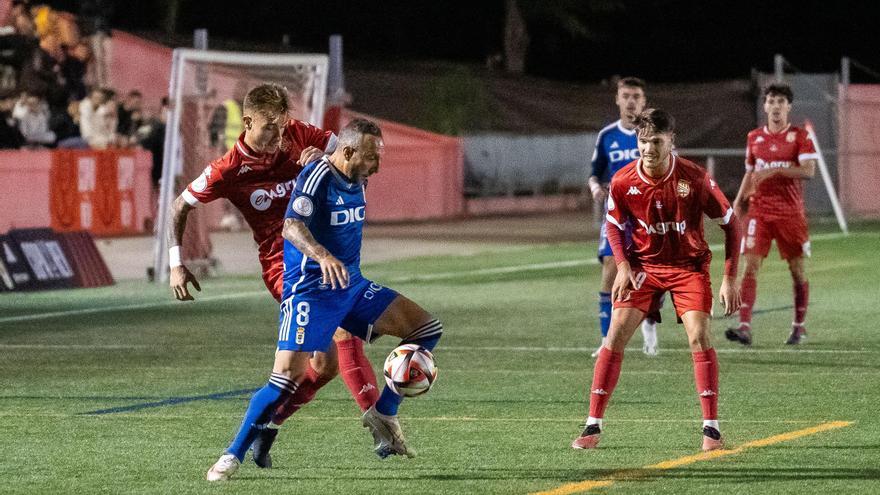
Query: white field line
{"x": 463, "y": 419}
{"x": 585, "y": 371}
{"x": 633, "y": 350}
{"x": 416, "y": 278}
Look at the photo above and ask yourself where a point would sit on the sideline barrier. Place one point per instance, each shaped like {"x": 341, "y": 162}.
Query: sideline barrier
{"x": 39, "y": 259}
{"x": 106, "y": 192}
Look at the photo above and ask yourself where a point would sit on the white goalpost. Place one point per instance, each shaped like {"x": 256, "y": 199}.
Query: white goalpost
{"x": 201, "y": 82}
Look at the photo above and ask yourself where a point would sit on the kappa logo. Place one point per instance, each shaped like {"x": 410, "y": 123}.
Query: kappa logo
{"x": 600, "y": 391}
{"x": 614, "y": 145}
{"x": 633, "y": 190}
{"x": 339, "y": 201}
{"x": 366, "y": 388}
{"x": 707, "y": 393}
{"x": 760, "y": 139}
{"x": 244, "y": 169}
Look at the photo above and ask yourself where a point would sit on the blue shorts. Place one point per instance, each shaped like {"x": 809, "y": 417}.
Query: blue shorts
{"x": 309, "y": 318}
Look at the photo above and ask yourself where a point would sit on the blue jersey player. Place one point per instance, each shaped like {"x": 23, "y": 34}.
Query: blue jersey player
{"x": 617, "y": 146}
{"x": 324, "y": 289}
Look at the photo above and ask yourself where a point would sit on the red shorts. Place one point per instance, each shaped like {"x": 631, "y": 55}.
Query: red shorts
{"x": 791, "y": 235}
{"x": 691, "y": 291}
{"x": 273, "y": 274}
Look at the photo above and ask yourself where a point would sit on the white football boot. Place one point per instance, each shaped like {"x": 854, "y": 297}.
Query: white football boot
{"x": 387, "y": 434}
{"x": 225, "y": 467}
{"x": 595, "y": 353}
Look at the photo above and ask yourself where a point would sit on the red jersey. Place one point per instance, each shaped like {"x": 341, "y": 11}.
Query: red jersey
{"x": 258, "y": 184}
{"x": 665, "y": 215}
{"x": 778, "y": 197}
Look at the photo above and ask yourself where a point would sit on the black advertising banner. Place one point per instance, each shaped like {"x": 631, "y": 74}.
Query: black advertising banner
{"x": 45, "y": 258}
{"x": 14, "y": 271}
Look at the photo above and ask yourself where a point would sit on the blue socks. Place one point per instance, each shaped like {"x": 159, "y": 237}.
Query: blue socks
{"x": 604, "y": 312}
{"x": 259, "y": 412}
{"x": 426, "y": 336}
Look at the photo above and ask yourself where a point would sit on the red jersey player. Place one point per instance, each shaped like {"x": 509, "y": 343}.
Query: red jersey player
{"x": 663, "y": 198}
{"x": 257, "y": 176}
{"x": 779, "y": 157}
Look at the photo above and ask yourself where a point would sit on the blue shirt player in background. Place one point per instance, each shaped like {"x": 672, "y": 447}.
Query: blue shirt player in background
{"x": 324, "y": 289}
{"x": 617, "y": 146}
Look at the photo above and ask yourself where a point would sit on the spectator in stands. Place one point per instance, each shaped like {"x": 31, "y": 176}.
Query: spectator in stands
{"x": 66, "y": 127}
{"x": 152, "y": 137}
{"x": 131, "y": 116}
{"x": 98, "y": 120}
{"x": 10, "y": 136}
{"x": 72, "y": 69}
{"x": 34, "y": 122}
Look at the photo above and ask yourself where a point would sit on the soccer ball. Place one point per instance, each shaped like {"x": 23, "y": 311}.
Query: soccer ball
{"x": 409, "y": 370}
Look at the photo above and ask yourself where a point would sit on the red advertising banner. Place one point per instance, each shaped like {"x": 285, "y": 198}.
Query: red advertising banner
{"x": 93, "y": 191}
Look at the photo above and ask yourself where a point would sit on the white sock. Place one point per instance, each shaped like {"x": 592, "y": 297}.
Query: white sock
{"x": 712, "y": 423}
{"x": 273, "y": 426}
{"x": 594, "y": 421}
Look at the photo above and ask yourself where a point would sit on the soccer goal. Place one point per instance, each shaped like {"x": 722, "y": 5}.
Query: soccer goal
{"x": 205, "y": 89}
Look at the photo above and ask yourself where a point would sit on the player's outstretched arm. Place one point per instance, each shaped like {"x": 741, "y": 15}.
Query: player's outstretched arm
{"x": 180, "y": 275}
{"x": 334, "y": 272}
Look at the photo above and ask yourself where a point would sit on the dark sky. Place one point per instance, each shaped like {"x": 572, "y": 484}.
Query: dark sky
{"x": 661, "y": 40}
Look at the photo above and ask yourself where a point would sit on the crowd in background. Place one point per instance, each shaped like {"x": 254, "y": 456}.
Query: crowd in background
{"x": 50, "y": 93}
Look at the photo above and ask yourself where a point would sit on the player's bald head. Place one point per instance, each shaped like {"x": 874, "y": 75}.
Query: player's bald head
{"x": 267, "y": 99}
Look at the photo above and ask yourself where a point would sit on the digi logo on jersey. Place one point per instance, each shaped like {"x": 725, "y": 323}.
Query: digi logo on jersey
{"x": 261, "y": 199}
{"x": 351, "y": 215}
{"x": 662, "y": 228}
{"x": 620, "y": 155}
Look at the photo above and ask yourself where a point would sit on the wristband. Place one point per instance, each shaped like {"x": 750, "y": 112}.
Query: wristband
{"x": 174, "y": 257}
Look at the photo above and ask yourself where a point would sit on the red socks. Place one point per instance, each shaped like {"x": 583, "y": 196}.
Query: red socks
{"x": 748, "y": 292}
{"x": 357, "y": 372}
{"x": 304, "y": 394}
{"x": 605, "y": 375}
{"x": 706, "y": 377}
{"x": 801, "y": 300}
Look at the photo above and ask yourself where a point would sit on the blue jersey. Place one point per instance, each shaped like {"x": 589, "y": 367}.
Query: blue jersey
{"x": 333, "y": 208}
{"x": 615, "y": 147}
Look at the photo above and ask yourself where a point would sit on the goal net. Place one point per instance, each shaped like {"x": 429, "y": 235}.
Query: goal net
{"x": 205, "y": 90}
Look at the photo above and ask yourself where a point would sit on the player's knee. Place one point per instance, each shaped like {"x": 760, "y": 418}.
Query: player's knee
{"x": 427, "y": 335}
{"x": 341, "y": 334}
{"x": 326, "y": 365}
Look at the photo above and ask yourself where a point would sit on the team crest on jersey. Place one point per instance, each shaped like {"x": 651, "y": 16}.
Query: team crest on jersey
{"x": 789, "y": 138}
{"x": 683, "y": 188}
{"x": 300, "y": 335}
{"x": 285, "y": 145}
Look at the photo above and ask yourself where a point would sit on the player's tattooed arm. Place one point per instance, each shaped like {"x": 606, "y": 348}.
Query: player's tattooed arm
{"x": 334, "y": 272}
{"x": 180, "y": 275}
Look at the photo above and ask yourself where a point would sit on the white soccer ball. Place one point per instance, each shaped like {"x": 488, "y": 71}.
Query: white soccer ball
{"x": 409, "y": 370}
